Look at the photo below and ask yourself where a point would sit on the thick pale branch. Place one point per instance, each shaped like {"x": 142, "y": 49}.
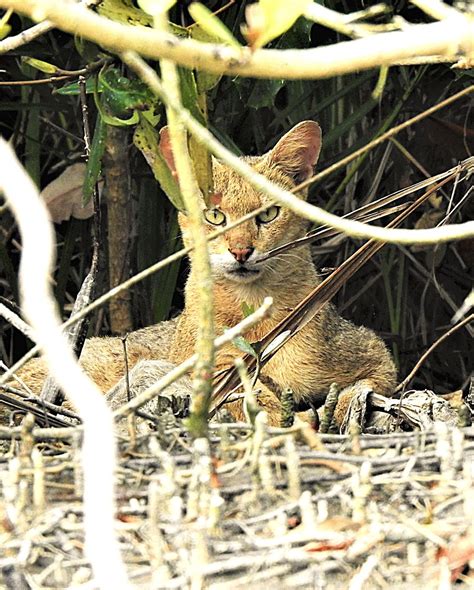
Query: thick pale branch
{"x": 98, "y": 451}
{"x": 436, "y": 9}
{"x": 452, "y": 38}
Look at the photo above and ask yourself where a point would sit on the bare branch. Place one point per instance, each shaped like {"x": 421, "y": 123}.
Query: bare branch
{"x": 16, "y": 41}
{"x": 98, "y": 452}
{"x": 450, "y": 38}
{"x": 436, "y": 9}
{"x": 25, "y": 37}
{"x": 16, "y": 321}
{"x": 286, "y": 198}
{"x": 344, "y": 23}
{"x": 435, "y": 344}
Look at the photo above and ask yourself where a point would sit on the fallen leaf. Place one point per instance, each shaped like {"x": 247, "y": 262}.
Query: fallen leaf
{"x": 269, "y": 19}
{"x": 317, "y": 546}
{"x": 458, "y": 554}
{"x": 63, "y": 196}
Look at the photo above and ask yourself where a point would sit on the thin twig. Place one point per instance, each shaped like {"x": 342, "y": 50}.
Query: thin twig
{"x": 31, "y": 397}
{"x": 387, "y": 135}
{"x": 50, "y": 80}
{"x": 188, "y": 364}
{"x": 345, "y": 23}
{"x": 16, "y": 321}
{"x": 286, "y": 198}
{"x": 435, "y": 344}
{"x": 16, "y": 41}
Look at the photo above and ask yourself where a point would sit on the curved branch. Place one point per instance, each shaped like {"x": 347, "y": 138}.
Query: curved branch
{"x": 286, "y": 198}
{"x": 98, "y": 450}
{"x": 452, "y": 38}
{"x": 426, "y": 354}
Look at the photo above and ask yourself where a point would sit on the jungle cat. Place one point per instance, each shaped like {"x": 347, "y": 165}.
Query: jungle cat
{"x": 329, "y": 349}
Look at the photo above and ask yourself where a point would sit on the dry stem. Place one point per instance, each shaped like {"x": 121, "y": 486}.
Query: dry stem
{"x": 193, "y": 202}
{"x": 426, "y": 354}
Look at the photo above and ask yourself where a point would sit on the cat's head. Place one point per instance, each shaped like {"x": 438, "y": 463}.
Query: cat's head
{"x": 235, "y": 256}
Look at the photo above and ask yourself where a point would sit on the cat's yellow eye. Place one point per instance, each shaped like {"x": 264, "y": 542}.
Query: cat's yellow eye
{"x": 214, "y": 216}
{"x": 269, "y": 214}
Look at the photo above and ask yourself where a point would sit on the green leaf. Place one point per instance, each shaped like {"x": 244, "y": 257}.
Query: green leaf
{"x": 115, "y": 121}
{"x": 89, "y": 51}
{"x": 198, "y": 152}
{"x": 123, "y": 11}
{"x": 146, "y": 140}
{"x": 189, "y": 94}
{"x": 350, "y": 121}
{"x": 158, "y": 236}
{"x": 120, "y": 95}
{"x": 244, "y": 345}
{"x": 32, "y": 139}
{"x": 298, "y": 36}
{"x": 94, "y": 163}
{"x": 379, "y": 88}
{"x": 38, "y": 64}
{"x": 4, "y": 30}
{"x": 247, "y": 309}
{"x": 269, "y": 19}
{"x": 205, "y": 80}
{"x": 213, "y": 26}
{"x": 151, "y": 116}
{"x": 264, "y": 92}
{"x": 165, "y": 281}
{"x": 72, "y": 89}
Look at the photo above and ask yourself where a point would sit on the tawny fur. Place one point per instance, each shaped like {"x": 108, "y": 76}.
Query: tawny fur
{"x": 103, "y": 359}
{"x": 329, "y": 349}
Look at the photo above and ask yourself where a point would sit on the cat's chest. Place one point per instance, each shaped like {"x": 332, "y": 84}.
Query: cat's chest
{"x": 233, "y": 303}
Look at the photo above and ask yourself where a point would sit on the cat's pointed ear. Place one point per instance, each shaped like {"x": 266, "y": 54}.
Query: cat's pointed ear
{"x": 166, "y": 151}
{"x": 298, "y": 150}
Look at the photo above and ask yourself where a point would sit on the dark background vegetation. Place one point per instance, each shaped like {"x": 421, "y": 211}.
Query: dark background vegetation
{"x": 408, "y": 295}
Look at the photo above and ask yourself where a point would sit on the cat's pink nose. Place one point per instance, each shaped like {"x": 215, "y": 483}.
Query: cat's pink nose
{"x": 241, "y": 254}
